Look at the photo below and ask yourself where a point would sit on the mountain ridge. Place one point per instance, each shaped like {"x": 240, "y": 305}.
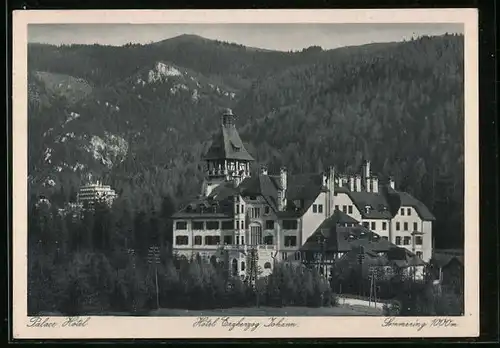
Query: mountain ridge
{"x": 398, "y": 104}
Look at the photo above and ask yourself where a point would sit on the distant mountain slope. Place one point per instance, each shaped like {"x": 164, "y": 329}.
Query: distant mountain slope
{"x": 141, "y": 122}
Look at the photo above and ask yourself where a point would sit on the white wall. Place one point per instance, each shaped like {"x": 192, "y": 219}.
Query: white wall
{"x": 379, "y": 223}
{"x": 427, "y": 240}
{"x": 410, "y": 219}
{"x": 342, "y": 199}
{"x": 311, "y": 220}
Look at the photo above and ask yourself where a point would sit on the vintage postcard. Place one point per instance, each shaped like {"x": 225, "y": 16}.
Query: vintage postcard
{"x": 245, "y": 174}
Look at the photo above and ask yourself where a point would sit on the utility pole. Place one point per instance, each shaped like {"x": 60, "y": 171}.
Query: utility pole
{"x": 154, "y": 258}
{"x": 361, "y": 256}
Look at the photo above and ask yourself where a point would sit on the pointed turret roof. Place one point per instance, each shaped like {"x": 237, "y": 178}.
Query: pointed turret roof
{"x": 227, "y": 144}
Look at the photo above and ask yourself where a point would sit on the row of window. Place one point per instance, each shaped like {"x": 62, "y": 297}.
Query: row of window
{"x": 347, "y": 209}
{"x": 402, "y": 211}
{"x": 373, "y": 226}
{"x": 290, "y": 241}
{"x": 228, "y": 225}
{"x": 318, "y": 208}
{"x": 407, "y": 240}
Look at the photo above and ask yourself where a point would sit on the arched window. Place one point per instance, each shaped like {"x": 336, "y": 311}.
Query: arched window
{"x": 267, "y": 265}
{"x": 235, "y": 267}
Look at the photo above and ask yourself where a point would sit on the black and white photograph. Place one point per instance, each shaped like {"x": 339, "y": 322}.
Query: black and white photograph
{"x": 247, "y": 177}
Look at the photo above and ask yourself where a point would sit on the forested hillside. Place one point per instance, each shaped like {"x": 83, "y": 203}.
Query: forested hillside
{"x": 140, "y": 116}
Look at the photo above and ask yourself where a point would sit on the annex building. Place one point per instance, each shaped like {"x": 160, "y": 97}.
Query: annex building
{"x": 286, "y": 216}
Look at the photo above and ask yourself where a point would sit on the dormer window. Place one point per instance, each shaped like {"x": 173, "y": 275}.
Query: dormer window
{"x": 367, "y": 209}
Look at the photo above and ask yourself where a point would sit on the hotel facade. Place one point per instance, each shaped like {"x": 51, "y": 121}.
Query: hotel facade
{"x": 276, "y": 216}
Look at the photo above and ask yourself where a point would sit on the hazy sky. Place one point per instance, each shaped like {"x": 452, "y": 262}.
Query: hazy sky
{"x": 282, "y": 37}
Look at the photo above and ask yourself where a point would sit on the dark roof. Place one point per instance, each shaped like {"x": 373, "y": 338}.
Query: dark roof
{"x": 443, "y": 260}
{"x": 382, "y": 199}
{"x": 339, "y": 238}
{"x": 217, "y": 205}
{"x": 227, "y": 144}
{"x": 422, "y": 210}
{"x": 343, "y": 218}
{"x": 261, "y": 185}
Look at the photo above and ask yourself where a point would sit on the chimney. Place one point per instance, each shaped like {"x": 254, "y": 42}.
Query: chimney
{"x": 358, "y": 183}
{"x": 283, "y": 184}
{"x": 391, "y": 183}
{"x": 324, "y": 179}
{"x": 375, "y": 184}
{"x": 263, "y": 169}
{"x": 367, "y": 169}
{"x": 341, "y": 181}
{"x": 351, "y": 183}
{"x": 331, "y": 189}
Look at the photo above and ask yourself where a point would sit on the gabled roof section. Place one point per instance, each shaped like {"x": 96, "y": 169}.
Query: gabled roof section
{"x": 337, "y": 238}
{"x": 377, "y": 201}
{"x": 385, "y": 203}
{"x": 218, "y": 204}
{"x": 227, "y": 144}
{"x": 260, "y": 185}
{"x": 422, "y": 210}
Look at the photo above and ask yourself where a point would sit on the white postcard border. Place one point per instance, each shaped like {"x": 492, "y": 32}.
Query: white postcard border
{"x": 182, "y": 327}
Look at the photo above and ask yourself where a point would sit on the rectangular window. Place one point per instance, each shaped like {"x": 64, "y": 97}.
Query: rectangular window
{"x": 256, "y": 213}
{"x": 237, "y": 224}
{"x": 197, "y": 240}
{"x": 181, "y": 225}
{"x": 344, "y": 208}
{"x": 366, "y": 224}
{"x": 398, "y": 226}
{"x": 405, "y": 226}
{"x": 243, "y": 240}
{"x": 227, "y": 225}
{"x": 419, "y": 254}
{"x": 418, "y": 240}
{"x": 290, "y": 241}
{"x": 269, "y": 224}
{"x": 408, "y": 211}
{"x": 415, "y": 226}
{"x": 337, "y": 207}
{"x": 350, "y": 209}
{"x": 315, "y": 208}
{"x": 228, "y": 240}
{"x": 384, "y": 225}
{"x": 373, "y": 225}
{"x": 406, "y": 241}
{"x": 402, "y": 212}
{"x": 237, "y": 208}
{"x": 198, "y": 225}
{"x": 284, "y": 256}
{"x": 398, "y": 240}
{"x": 320, "y": 208}
{"x": 237, "y": 239}
{"x": 268, "y": 240}
{"x": 216, "y": 240}
{"x": 212, "y": 225}
{"x": 266, "y": 210}
{"x": 289, "y": 224}
{"x": 181, "y": 240}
